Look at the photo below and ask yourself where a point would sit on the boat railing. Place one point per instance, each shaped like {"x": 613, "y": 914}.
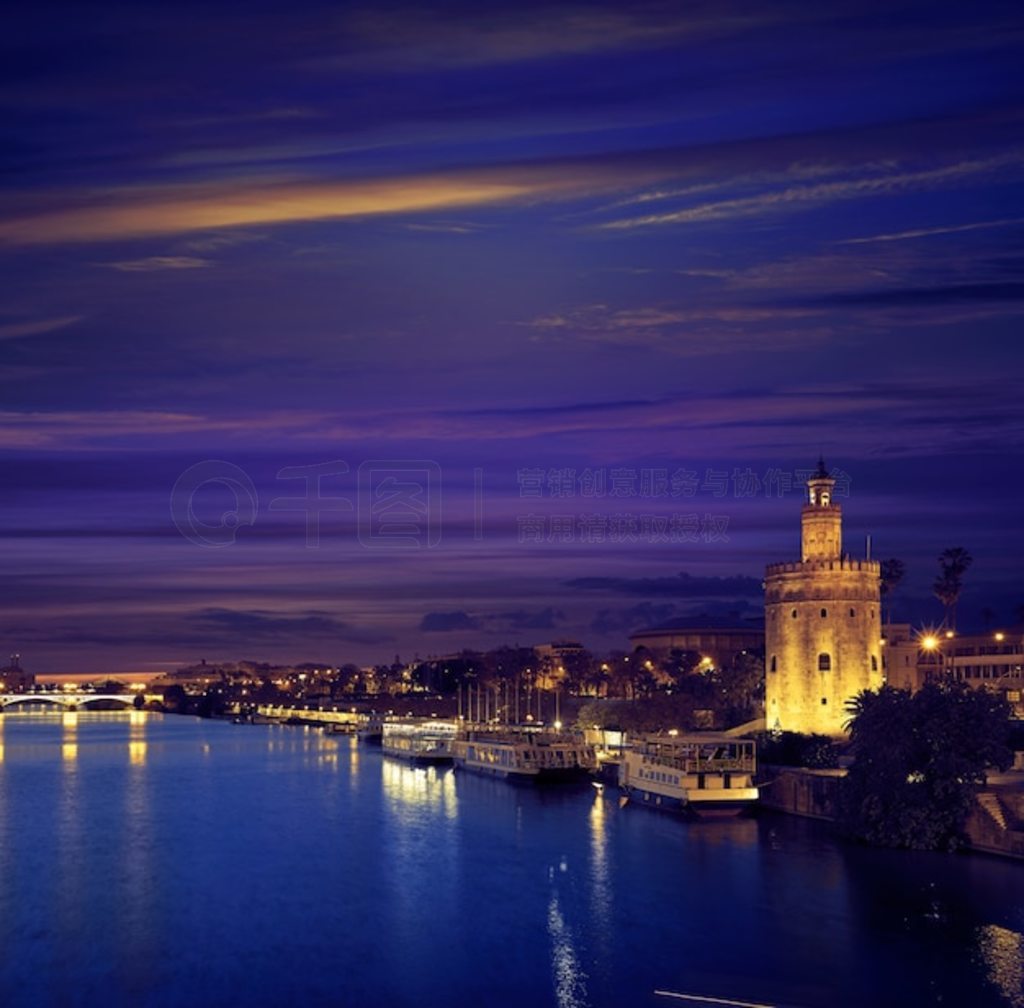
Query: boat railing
{"x": 512, "y": 735}
{"x": 698, "y": 764}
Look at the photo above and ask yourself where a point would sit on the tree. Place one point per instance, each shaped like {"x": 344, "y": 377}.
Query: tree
{"x": 892, "y": 571}
{"x": 740, "y": 688}
{"x": 175, "y": 699}
{"x": 649, "y": 714}
{"x": 680, "y": 664}
{"x": 953, "y": 564}
{"x": 919, "y": 761}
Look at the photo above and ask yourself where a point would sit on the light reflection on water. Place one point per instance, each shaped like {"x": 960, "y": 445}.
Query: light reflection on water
{"x": 431, "y": 788}
{"x": 601, "y": 890}
{"x": 569, "y": 977}
{"x": 159, "y": 861}
{"x": 1003, "y": 953}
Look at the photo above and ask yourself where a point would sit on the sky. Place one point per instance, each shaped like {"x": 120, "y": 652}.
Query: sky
{"x": 332, "y": 332}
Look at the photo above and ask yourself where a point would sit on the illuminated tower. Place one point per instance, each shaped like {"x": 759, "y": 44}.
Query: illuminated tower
{"x": 822, "y": 623}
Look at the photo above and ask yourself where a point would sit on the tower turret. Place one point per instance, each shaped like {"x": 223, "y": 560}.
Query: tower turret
{"x": 821, "y": 519}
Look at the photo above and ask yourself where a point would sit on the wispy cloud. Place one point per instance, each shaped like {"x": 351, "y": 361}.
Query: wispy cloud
{"x": 71, "y": 429}
{"x": 209, "y": 206}
{"x": 155, "y": 264}
{"x": 795, "y": 198}
{"x": 221, "y": 240}
{"x": 930, "y": 232}
{"x": 772, "y": 420}
{"x": 446, "y": 227}
{"x": 36, "y": 327}
{"x": 224, "y": 204}
{"x": 413, "y": 38}
{"x": 685, "y": 331}
{"x": 683, "y": 585}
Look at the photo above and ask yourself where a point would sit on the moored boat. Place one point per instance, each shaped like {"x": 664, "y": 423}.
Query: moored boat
{"x": 422, "y": 740}
{"x": 523, "y": 754}
{"x": 705, "y": 773}
{"x": 371, "y": 729}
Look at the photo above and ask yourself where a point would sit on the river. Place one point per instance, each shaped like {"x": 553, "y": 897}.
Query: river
{"x": 150, "y": 861}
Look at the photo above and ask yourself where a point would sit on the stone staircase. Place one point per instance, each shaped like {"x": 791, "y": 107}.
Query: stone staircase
{"x": 990, "y": 802}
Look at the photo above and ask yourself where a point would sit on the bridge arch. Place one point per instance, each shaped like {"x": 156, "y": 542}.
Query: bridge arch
{"x": 83, "y": 702}
{"x": 16, "y": 699}
{"x": 68, "y": 701}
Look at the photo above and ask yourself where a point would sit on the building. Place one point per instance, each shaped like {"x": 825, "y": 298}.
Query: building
{"x": 822, "y": 623}
{"x": 718, "y": 640}
{"x": 14, "y": 679}
{"x": 993, "y": 660}
{"x": 557, "y": 660}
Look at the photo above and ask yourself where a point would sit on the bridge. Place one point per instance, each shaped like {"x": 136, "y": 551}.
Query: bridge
{"x": 67, "y": 701}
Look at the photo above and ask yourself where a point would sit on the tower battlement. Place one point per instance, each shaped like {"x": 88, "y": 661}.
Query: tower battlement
{"x": 810, "y": 566}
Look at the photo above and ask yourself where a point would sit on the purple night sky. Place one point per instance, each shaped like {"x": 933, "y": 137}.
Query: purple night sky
{"x": 523, "y": 249}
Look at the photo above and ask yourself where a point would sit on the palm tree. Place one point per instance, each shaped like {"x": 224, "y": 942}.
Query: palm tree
{"x": 953, "y": 564}
{"x": 892, "y": 573}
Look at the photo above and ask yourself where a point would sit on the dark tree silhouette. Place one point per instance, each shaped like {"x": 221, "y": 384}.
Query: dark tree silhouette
{"x": 919, "y": 760}
{"x": 893, "y": 571}
{"x": 953, "y": 564}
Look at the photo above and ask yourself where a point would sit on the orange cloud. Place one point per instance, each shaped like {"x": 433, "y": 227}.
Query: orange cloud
{"x": 131, "y": 213}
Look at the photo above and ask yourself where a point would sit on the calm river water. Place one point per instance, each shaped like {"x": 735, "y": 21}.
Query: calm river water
{"x": 158, "y": 861}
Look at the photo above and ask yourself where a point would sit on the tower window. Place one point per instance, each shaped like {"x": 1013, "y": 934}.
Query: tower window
{"x": 874, "y": 663}
{"x": 853, "y": 612}
{"x": 824, "y": 662}
{"x": 824, "y": 701}
{"x": 774, "y": 665}
{"x": 824, "y": 613}
{"x": 793, "y": 614}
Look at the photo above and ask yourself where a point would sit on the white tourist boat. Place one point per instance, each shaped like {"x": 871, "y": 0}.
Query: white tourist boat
{"x": 523, "y": 753}
{"x": 705, "y": 773}
{"x": 422, "y": 740}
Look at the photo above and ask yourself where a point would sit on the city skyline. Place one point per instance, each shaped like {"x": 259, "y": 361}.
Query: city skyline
{"x": 493, "y": 247}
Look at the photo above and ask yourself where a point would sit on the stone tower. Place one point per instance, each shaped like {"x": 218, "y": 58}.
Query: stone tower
{"x": 822, "y": 623}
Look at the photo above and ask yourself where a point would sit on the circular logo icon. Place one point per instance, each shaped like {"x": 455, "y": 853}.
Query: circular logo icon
{"x": 211, "y": 500}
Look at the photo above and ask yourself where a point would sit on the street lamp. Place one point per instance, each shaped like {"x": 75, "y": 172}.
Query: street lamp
{"x": 931, "y": 644}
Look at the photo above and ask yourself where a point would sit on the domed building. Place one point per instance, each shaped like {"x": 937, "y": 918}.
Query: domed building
{"x": 822, "y": 623}
{"x": 717, "y": 640}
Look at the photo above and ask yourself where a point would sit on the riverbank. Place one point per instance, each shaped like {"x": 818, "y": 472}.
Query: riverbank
{"x": 996, "y": 826}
